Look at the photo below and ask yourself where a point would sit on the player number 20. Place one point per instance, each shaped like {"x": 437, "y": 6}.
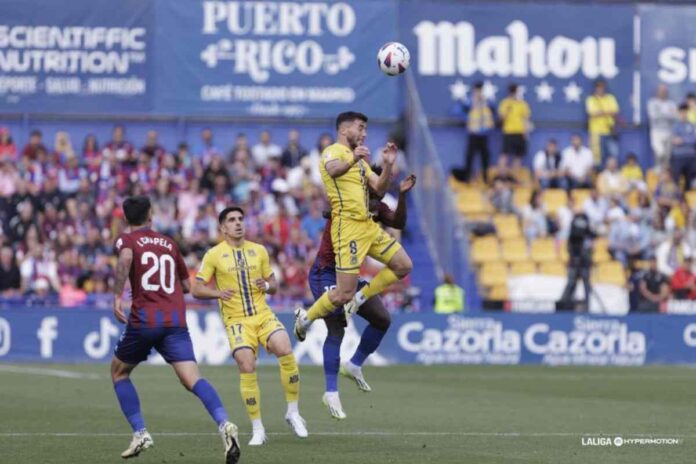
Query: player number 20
{"x": 163, "y": 264}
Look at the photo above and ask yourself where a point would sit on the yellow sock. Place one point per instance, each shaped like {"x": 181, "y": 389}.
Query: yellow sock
{"x": 322, "y": 307}
{"x": 251, "y": 396}
{"x": 382, "y": 280}
{"x": 290, "y": 377}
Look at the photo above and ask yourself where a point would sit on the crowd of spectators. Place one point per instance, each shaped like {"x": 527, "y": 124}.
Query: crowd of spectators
{"x": 60, "y": 205}
{"x": 648, "y": 218}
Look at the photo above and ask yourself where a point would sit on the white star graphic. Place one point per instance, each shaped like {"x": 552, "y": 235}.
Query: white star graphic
{"x": 572, "y": 92}
{"x": 458, "y": 90}
{"x": 489, "y": 90}
{"x": 544, "y": 92}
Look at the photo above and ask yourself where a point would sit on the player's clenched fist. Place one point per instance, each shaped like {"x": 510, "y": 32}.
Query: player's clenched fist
{"x": 361, "y": 152}
{"x": 225, "y": 294}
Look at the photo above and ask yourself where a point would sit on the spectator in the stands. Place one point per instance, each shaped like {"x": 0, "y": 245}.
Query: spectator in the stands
{"x": 313, "y": 223}
{"x": 480, "y": 121}
{"x": 515, "y": 116}
{"x": 10, "y": 278}
{"x": 243, "y": 176}
{"x": 323, "y": 141}
{"x": 91, "y": 156}
{"x": 265, "y": 150}
{"x": 547, "y": 167}
{"x": 62, "y": 148}
{"x": 596, "y": 208}
{"x": 8, "y": 149}
{"x": 206, "y": 149}
{"x": 653, "y": 289}
{"x": 449, "y": 297}
{"x": 303, "y": 180}
{"x": 683, "y": 160}
{"x": 20, "y": 224}
{"x": 214, "y": 170}
{"x": 241, "y": 143}
{"x": 152, "y": 149}
{"x": 602, "y": 111}
{"x": 39, "y": 271}
{"x": 672, "y": 252}
{"x": 189, "y": 201}
{"x": 164, "y": 208}
{"x": 662, "y": 113}
{"x": 625, "y": 239}
{"x": 610, "y": 182}
{"x": 8, "y": 179}
{"x": 667, "y": 192}
{"x": 293, "y": 151}
{"x": 220, "y": 197}
{"x": 633, "y": 173}
{"x": 577, "y": 163}
{"x": 70, "y": 175}
{"x": 683, "y": 281}
{"x": 119, "y": 147}
{"x": 534, "y": 222}
{"x": 35, "y": 144}
{"x": 691, "y": 103}
{"x": 501, "y": 197}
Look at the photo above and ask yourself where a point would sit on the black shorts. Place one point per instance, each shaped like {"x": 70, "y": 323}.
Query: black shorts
{"x": 515, "y": 145}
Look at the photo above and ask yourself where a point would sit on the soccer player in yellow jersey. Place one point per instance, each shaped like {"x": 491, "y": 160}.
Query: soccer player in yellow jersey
{"x": 347, "y": 177}
{"x": 243, "y": 277}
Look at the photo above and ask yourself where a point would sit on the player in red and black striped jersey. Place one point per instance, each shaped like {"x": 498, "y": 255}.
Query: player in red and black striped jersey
{"x": 322, "y": 277}
{"x": 159, "y": 279}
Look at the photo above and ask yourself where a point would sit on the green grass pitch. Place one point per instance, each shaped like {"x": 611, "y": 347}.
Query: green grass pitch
{"x": 416, "y": 414}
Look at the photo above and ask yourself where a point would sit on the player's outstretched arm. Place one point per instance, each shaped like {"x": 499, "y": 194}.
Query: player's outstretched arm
{"x": 397, "y": 219}
{"x": 380, "y": 183}
{"x": 338, "y": 167}
{"x": 123, "y": 265}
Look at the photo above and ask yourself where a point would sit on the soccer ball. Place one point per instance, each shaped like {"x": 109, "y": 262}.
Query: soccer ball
{"x": 393, "y": 58}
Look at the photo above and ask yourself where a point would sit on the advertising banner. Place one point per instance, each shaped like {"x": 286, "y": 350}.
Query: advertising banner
{"x": 268, "y": 58}
{"x": 31, "y": 335}
{"x": 76, "y": 57}
{"x": 551, "y": 51}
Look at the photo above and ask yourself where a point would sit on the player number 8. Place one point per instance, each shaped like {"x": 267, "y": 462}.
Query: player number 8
{"x": 353, "y": 247}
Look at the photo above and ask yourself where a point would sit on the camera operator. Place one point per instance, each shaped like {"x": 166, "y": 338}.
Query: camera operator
{"x": 580, "y": 260}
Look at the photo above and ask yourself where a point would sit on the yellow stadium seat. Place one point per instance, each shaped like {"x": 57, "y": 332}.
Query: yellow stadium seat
{"x": 522, "y": 268}
{"x": 611, "y": 272}
{"x": 691, "y": 198}
{"x": 543, "y": 250}
{"x": 471, "y": 201}
{"x": 553, "y": 199}
{"x": 515, "y": 249}
{"x": 523, "y": 175}
{"x": 455, "y": 184}
{"x": 498, "y": 293}
{"x": 495, "y": 273}
{"x": 484, "y": 249}
{"x": 600, "y": 252}
{"x": 556, "y": 268}
{"x": 580, "y": 195}
{"x": 651, "y": 178}
{"x": 507, "y": 226}
{"x": 478, "y": 217}
{"x": 521, "y": 197}
{"x": 563, "y": 251}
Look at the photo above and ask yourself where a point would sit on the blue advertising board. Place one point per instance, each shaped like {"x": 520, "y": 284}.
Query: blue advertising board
{"x": 667, "y": 50}
{"x": 32, "y": 335}
{"x": 554, "y": 52}
{"x": 76, "y": 57}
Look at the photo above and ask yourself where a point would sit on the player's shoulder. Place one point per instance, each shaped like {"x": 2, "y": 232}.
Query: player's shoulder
{"x": 123, "y": 240}
{"x": 335, "y": 150}
{"x": 215, "y": 251}
{"x": 255, "y": 248}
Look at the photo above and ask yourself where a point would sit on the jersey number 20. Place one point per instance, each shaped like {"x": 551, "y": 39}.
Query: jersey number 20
{"x": 165, "y": 265}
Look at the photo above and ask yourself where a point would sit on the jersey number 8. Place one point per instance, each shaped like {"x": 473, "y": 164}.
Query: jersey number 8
{"x": 165, "y": 265}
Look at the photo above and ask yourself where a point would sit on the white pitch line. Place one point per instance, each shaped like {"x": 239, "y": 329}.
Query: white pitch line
{"x": 49, "y": 372}
{"x": 376, "y": 433}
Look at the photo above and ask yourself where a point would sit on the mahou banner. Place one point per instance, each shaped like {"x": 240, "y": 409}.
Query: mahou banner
{"x": 554, "y": 52}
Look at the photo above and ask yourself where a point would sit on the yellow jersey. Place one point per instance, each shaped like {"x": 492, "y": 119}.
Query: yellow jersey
{"x": 236, "y": 269}
{"x": 348, "y": 194}
{"x": 601, "y": 125}
{"x": 517, "y": 113}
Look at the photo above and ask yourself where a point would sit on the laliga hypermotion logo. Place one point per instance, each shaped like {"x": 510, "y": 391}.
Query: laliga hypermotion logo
{"x": 253, "y": 50}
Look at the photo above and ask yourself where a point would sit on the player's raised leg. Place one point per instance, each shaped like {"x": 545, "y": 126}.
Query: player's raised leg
{"x": 190, "y": 378}
{"x": 374, "y": 312}
{"x": 346, "y": 284}
{"x": 278, "y": 343}
{"x": 398, "y": 266}
{"x": 251, "y": 395}
{"x": 130, "y": 406}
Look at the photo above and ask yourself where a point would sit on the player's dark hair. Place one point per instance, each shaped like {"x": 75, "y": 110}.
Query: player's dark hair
{"x": 349, "y": 116}
{"x": 228, "y": 210}
{"x": 512, "y": 88}
{"x": 136, "y": 210}
{"x": 35, "y": 133}
{"x": 684, "y": 107}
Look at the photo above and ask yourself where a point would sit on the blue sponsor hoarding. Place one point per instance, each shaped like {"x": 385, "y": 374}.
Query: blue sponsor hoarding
{"x": 554, "y": 52}
{"x": 30, "y": 335}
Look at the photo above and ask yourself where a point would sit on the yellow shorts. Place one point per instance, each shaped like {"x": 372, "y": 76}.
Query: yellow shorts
{"x": 355, "y": 240}
{"x": 247, "y": 332}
